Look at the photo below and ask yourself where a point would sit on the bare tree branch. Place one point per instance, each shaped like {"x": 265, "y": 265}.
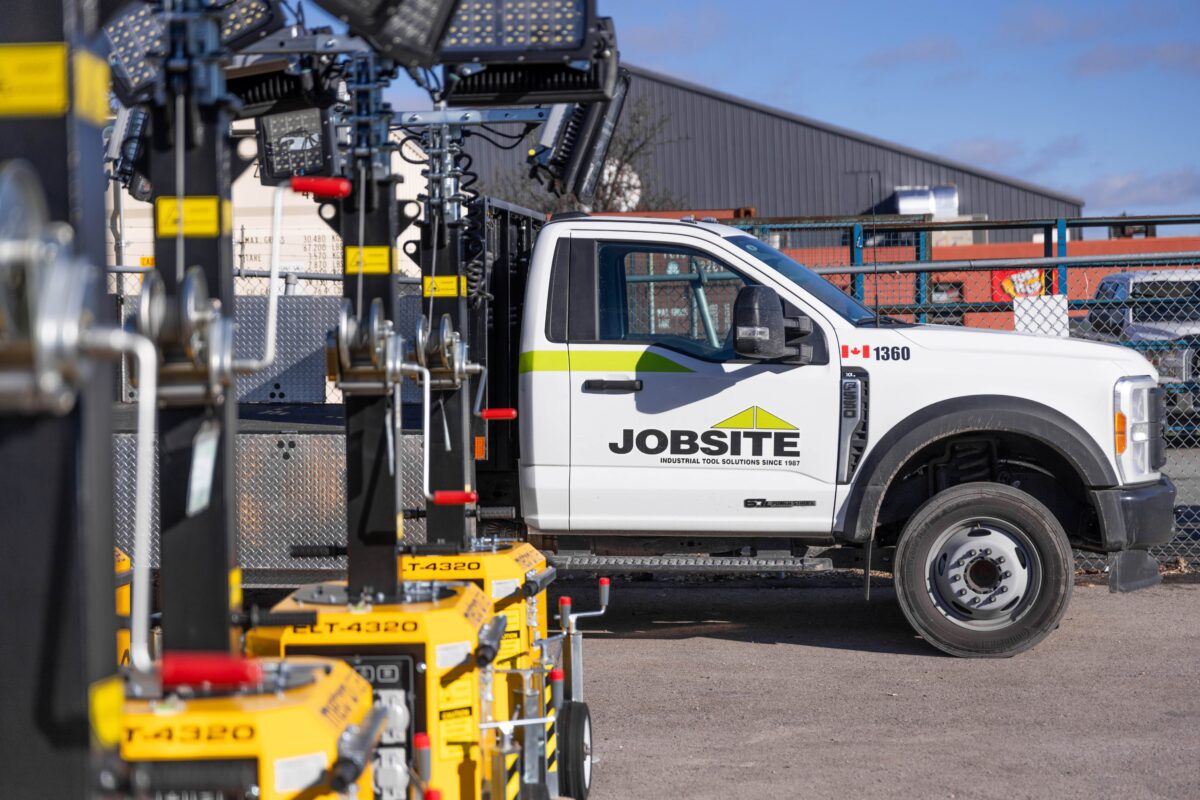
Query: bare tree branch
{"x": 629, "y": 181}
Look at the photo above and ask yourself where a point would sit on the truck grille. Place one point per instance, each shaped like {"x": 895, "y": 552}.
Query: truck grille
{"x": 1158, "y": 429}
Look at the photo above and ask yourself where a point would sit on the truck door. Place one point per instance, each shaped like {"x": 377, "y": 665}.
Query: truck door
{"x": 670, "y": 430}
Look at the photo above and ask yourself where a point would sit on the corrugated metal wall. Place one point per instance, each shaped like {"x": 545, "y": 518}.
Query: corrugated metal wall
{"x": 726, "y": 153}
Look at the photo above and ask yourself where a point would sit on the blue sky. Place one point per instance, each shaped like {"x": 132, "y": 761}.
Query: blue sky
{"x": 1099, "y": 99}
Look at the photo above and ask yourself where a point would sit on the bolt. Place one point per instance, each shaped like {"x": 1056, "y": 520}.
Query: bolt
{"x": 970, "y": 552}
{"x": 960, "y": 563}
{"x": 974, "y": 601}
{"x": 1003, "y": 589}
{"x": 1006, "y": 574}
{"x": 955, "y": 578}
{"x": 1000, "y": 559}
{"x": 987, "y": 551}
{"x": 961, "y": 592}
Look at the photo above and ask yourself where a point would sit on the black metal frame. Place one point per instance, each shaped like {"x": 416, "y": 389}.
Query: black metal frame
{"x": 59, "y": 629}
{"x": 509, "y": 232}
{"x": 197, "y": 546}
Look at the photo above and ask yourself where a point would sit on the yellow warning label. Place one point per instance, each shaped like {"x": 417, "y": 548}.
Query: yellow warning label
{"x": 510, "y": 645}
{"x": 106, "y": 697}
{"x": 91, "y": 87}
{"x": 146, "y": 261}
{"x": 235, "y": 588}
{"x": 457, "y": 693}
{"x": 201, "y": 217}
{"x": 445, "y": 286}
{"x": 457, "y": 729}
{"x": 33, "y": 80}
{"x": 376, "y": 260}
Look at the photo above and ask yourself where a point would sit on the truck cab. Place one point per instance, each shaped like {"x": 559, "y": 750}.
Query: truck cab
{"x": 684, "y": 380}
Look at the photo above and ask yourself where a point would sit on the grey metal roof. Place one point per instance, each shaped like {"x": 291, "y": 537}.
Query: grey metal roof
{"x": 723, "y": 151}
{"x": 851, "y": 134}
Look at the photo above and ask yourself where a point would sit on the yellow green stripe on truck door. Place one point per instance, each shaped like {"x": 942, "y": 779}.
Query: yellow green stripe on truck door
{"x": 597, "y": 361}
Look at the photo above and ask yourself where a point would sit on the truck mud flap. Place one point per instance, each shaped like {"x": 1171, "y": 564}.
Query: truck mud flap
{"x": 1130, "y": 570}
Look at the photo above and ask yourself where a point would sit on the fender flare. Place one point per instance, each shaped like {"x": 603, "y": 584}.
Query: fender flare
{"x": 978, "y": 413}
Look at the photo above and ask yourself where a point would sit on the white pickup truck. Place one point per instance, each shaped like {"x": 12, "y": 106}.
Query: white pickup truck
{"x": 685, "y": 381}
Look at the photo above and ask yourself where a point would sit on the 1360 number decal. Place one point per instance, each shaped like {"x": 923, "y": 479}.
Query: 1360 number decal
{"x": 892, "y": 353}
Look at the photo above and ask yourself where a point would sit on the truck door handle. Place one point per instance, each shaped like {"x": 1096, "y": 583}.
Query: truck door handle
{"x": 600, "y": 385}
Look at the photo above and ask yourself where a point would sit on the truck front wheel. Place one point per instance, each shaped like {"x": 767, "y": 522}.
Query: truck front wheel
{"x": 983, "y": 570}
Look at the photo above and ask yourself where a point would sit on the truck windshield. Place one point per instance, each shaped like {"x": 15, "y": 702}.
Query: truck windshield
{"x": 843, "y": 304}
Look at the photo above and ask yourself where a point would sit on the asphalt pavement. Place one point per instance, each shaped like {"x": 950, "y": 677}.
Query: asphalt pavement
{"x": 801, "y": 688}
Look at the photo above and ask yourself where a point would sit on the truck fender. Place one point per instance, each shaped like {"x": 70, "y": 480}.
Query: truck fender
{"x": 975, "y": 414}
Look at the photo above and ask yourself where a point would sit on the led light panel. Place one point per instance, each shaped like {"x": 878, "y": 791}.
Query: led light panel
{"x": 407, "y": 31}
{"x": 137, "y": 38}
{"x": 293, "y": 143}
{"x": 135, "y": 41}
{"x": 487, "y": 30}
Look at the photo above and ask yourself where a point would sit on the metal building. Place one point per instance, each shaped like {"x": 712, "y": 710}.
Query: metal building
{"x": 727, "y": 152}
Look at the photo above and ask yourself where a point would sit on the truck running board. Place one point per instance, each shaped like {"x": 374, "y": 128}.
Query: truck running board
{"x": 684, "y": 564}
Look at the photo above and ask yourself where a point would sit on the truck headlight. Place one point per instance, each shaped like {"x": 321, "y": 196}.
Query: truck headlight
{"x": 1137, "y": 428}
{"x": 1174, "y": 366}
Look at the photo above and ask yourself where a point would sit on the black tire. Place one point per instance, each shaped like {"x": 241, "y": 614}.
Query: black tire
{"x": 936, "y": 575}
{"x": 575, "y": 750}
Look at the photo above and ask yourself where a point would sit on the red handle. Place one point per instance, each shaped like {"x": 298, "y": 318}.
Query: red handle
{"x": 420, "y": 741}
{"x": 498, "y": 413}
{"x": 217, "y": 669}
{"x": 332, "y": 188}
{"x": 446, "y": 497}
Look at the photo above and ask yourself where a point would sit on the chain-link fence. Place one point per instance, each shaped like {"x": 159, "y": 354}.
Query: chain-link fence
{"x": 1101, "y": 290}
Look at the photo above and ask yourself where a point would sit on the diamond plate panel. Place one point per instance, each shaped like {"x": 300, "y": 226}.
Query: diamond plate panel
{"x": 298, "y": 374}
{"x": 124, "y": 495}
{"x": 291, "y": 490}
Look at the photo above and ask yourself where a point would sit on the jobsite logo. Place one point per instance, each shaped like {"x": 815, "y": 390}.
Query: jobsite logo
{"x": 753, "y": 436}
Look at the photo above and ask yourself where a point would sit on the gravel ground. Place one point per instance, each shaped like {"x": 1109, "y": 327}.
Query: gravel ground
{"x": 790, "y": 688}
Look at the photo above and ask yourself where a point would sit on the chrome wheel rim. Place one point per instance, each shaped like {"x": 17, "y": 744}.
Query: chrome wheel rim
{"x": 587, "y": 754}
{"x": 983, "y": 573}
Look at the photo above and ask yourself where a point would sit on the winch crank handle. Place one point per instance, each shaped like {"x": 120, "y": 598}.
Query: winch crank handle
{"x": 426, "y": 424}
{"x": 117, "y": 341}
{"x": 249, "y": 365}
{"x": 397, "y": 457}
{"x": 604, "y": 588}
{"x": 323, "y": 188}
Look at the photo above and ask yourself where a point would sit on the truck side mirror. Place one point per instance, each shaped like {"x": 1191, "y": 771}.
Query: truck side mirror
{"x": 762, "y": 332}
{"x": 758, "y": 323}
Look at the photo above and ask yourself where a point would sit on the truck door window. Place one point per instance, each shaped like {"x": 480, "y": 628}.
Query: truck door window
{"x": 1166, "y": 300}
{"x": 676, "y": 297}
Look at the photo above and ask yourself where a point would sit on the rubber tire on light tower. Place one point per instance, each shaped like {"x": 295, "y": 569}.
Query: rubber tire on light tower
{"x": 575, "y": 750}
{"x": 933, "y": 585}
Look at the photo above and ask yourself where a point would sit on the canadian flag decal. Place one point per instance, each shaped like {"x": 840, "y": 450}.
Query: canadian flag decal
{"x": 864, "y": 351}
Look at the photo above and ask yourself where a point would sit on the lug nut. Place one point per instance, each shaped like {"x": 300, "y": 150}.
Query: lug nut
{"x": 1003, "y": 589}
{"x": 955, "y": 578}
{"x": 987, "y": 551}
{"x": 974, "y": 601}
{"x": 961, "y": 592}
{"x": 1000, "y": 559}
{"x": 970, "y": 552}
{"x": 1006, "y": 574}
